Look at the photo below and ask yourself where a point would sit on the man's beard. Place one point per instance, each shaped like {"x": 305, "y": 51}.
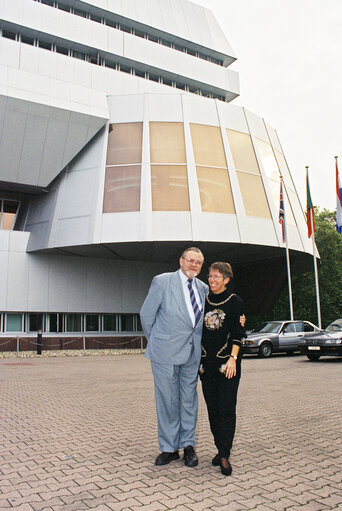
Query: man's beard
{"x": 191, "y": 274}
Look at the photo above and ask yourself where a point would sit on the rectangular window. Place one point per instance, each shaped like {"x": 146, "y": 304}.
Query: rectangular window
{"x": 63, "y": 7}
{"x": 268, "y": 160}
{"x": 110, "y": 323}
{"x": 14, "y": 322}
{"x": 124, "y": 143}
{"x": 78, "y": 55}
{"x": 92, "y": 323}
{"x": 125, "y": 28}
{"x": 9, "y": 35}
{"x": 63, "y": 51}
{"x": 215, "y": 191}
{"x": 253, "y": 195}
{"x": 52, "y": 322}
{"x": 8, "y": 213}
{"x": 168, "y": 82}
{"x": 139, "y": 326}
{"x": 78, "y": 12}
{"x": 125, "y": 69}
{"x": 139, "y": 33}
{"x": 93, "y": 17}
{"x": 208, "y": 146}
{"x": 167, "y": 142}
{"x": 166, "y": 43}
{"x": 122, "y": 189}
{"x": 153, "y": 38}
{"x": 170, "y": 188}
{"x": 153, "y": 77}
{"x": 27, "y": 40}
{"x": 73, "y": 323}
{"x": 111, "y": 23}
{"x": 139, "y": 73}
{"x": 243, "y": 151}
{"x": 45, "y": 45}
{"x": 126, "y": 322}
{"x": 35, "y": 322}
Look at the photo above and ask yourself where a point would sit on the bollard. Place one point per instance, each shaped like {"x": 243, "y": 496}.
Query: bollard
{"x": 39, "y": 342}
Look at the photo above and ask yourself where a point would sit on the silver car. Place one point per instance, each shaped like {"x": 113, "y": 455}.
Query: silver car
{"x": 275, "y": 336}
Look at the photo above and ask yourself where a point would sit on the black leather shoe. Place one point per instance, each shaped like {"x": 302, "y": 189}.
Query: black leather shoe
{"x": 225, "y": 466}
{"x": 165, "y": 457}
{"x": 190, "y": 458}
{"x": 216, "y": 460}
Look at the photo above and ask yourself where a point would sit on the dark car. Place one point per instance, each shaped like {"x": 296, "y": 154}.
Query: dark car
{"x": 276, "y": 336}
{"x": 326, "y": 342}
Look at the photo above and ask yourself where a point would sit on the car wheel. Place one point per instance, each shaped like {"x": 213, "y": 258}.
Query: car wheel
{"x": 265, "y": 350}
{"x": 313, "y": 356}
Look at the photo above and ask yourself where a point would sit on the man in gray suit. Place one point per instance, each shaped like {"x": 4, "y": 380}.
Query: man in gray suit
{"x": 172, "y": 317}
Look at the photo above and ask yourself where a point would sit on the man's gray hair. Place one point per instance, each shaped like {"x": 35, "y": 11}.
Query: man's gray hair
{"x": 192, "y": 249}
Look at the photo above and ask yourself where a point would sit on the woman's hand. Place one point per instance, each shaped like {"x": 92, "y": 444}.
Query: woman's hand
{"x": 230, "y": 368}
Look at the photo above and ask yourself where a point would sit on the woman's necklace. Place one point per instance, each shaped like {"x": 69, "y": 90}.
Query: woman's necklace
{"x": 219, "y": 303}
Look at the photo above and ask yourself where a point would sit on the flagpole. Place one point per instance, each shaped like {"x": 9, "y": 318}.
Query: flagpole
{"x": 315, "y": 265}
{"x": 288, "y": 263}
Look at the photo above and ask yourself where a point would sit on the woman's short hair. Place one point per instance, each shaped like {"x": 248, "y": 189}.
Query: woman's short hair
{"x": 224, "y": 268}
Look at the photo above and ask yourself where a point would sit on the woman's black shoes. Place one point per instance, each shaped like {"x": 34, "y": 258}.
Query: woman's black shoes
{"x": 225, "y": 466}
{"x": 216, "y": 460}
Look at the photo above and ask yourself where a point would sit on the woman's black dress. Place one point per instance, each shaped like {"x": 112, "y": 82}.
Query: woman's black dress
{"x": 221, "y": 329}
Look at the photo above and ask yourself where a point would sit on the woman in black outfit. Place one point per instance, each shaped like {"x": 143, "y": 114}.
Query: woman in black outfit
{"x": 220, "y": 368}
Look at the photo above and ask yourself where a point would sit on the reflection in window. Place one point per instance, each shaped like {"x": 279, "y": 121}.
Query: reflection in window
{"x": 269, "y": 162}
{"x": 124, "y": 143}
{"x": 126, "y": 322}
{"x": 215, "y": 192}
{"x": 122, "y": 189}
{"x": 253, "y": 195}
{"x": 92, "y": 323}
{"x": 55, "y": 322}
{"x": 167, "y": 142}
{"x": 110, "y": 323}
{"x": 243, "y": 151}
{"x": 8, "y": 213}
{"x": 169, "y": 188}
{"x": 208, "y": 146}
{"x": 14, "y": 322}
{"x": 73, "y": 323}
{"x": 35, "y": 322}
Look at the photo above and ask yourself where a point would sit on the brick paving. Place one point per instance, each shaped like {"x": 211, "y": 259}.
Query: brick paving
{"x": 80, "y": 433}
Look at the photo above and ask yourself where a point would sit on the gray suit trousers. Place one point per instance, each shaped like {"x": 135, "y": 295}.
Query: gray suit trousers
{"x": 175, "y": 388}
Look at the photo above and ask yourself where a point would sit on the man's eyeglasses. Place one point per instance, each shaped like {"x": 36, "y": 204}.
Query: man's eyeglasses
{"x": 194, "y": 261}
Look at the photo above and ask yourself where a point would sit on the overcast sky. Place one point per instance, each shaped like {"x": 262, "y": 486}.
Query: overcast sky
{"x": 290, "y": 65}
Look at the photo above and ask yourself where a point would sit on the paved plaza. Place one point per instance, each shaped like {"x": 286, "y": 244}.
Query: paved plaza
{"x": 80, "y": 433}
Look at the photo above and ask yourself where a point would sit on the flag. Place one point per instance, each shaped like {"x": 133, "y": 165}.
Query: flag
{"x": 309, "y": 208}
{"x": 282, "y": 212}
{"x": 339, "y": 202}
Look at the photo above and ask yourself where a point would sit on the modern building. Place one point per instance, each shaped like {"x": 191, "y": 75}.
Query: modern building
{"x": 120, "y": 146}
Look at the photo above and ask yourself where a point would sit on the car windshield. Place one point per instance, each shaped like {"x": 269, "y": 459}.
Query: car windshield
{"x": 335, "y": 326}
{"x": 268, "y": 327}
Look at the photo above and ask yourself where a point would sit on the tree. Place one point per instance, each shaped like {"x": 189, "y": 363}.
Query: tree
{"x": 329, "y": 244}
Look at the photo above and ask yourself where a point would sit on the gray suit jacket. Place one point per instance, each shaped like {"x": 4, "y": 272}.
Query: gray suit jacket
{"x": 167, "y": 323}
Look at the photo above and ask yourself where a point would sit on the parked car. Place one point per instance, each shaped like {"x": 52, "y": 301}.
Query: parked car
{"x": 325, "y": 342}
{"x": 276, "y": 336}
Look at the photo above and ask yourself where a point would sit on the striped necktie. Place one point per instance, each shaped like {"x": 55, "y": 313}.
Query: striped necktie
{"x": 194, "y": 304}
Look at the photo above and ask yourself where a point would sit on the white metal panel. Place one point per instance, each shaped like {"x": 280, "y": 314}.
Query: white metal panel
{"x": 256, "y": 126}
{"x": 33, "y": 145}
{"x": 3, "y": 275}
{"x": 123, "y": 108}
{"x": 114, "y": 272}
{"x": 232, "y": 117}
{"x": 17, "y": 281}
{"x": 9, "y": 52}
{"x": 120, "y": 227}
{"x": 38, "y": 283}
{"x": 218, "y": 227}
{"x": 200, "y": 110}
{"x": 165, "y": 107}
{"x": 260, "y": 231}
{"x": 72, "y": 231}
{"x": 76, "y": 275}
{"x": 58, "y": 283}
{"x": 78, "y": 194}
{"x": 95, "y": 284}
{"x": 175, "y": 225}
